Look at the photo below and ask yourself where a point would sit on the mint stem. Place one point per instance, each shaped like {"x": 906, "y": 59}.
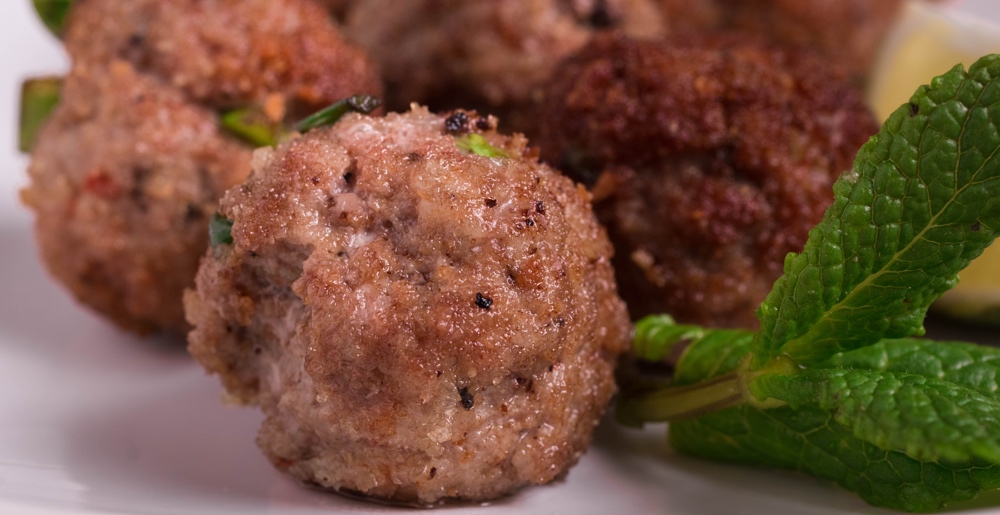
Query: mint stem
{"x": 682, "y": 402}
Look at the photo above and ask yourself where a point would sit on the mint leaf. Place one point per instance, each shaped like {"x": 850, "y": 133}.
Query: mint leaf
{"x": 975, "y": 367}
{"x": 832, "y": 385}
{"x": 885, "y": 421}
{"x": 809, "y": 440}
{"x": 922, "y": 200}
{"x": 928, "y": 419}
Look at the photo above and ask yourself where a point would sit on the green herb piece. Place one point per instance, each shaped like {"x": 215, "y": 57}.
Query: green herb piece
{"x": 810, "y": 441}
{"x": 220, "y": 231}
{"x": 976, "y": 367}
{"x": 476, "y": 144}
{"x": 39, "y": 97}
{"x": 919, "y": 204}
{"x": 808, "y": 437}
{"x": 252, "y": 126}
{"x": 53, "y": 14}
{"x": 832, "y": 385}
{"x": 926, "y": 418}
{"x": 329, "y": 115}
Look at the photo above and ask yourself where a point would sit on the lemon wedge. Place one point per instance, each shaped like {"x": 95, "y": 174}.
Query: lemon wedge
{"x": 927, "y": 40}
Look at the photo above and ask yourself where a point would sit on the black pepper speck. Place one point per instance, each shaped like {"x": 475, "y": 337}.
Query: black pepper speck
{"x": 483, "y": 302}
{"x": 468, "y": 401}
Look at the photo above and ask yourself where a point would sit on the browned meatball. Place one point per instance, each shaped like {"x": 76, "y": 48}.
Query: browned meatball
{"x": 417, "y": 322}
{"x": 123, "y": 181}
{"x": 132, "y": 164}
{"x": 846, "y": 32}
{"x": 226, "y": 53}
{"x": 711, "y": 158}
{"x": 492, "y": 55}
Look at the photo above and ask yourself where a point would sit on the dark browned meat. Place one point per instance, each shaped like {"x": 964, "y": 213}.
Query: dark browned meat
{"x": 496, "y": 55}
{"x": 492, "y": 55}
{"x": 133, "y": 163}
{"x": 710, "y": 157}
{"x": 417, "y": 322}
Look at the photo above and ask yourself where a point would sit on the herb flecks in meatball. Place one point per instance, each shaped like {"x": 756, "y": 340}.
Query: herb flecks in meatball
{"x": 397, "y": 330}
{"x": 132, "y": 162}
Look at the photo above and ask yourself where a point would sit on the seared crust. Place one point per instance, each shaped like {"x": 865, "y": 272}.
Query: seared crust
{"x": 416, "y": 322}
{"x": 712, "y": 157}
{"x": 123, "y": 189}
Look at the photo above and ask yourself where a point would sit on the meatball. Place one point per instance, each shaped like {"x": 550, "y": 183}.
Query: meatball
{"x": 847, "y": 32}
{"x": 710, "y": 159}
{"x": 493, "y": 55}
{"x": 124, "y": 178}
{"x": 133, "y": 162}
{"x": 226, "y": 53}
{"x": 416, "y": 321}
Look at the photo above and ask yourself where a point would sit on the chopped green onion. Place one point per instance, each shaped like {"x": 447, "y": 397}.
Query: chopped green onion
{"x": 220, "y": 231}
{"x": 477, "y": 144}
{"x": 39, "y": 97}
{"x": 252, "y": 126}
{"x": 53, "y": 14}
{"x": 329, "y": 115}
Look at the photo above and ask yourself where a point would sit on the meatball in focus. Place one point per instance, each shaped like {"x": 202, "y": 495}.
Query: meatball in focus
{"x": 420, "y": 308}
{"x": 132, "y": 164}
{"x": 710, "y": 158}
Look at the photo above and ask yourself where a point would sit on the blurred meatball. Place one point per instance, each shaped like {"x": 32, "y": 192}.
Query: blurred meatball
{"x": 132, "y": 163}
{"x": 492, "y": 55}
{"x": 417, "y": 322}
{"x": 847, "y": 32}
{"x": 123, "y": 181}
{"x": 226, "y": 53}
{"x": 710, "y": 158}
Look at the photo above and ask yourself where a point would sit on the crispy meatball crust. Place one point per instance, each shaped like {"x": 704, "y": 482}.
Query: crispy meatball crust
{"x": 710, "y": 157}
{"x": 123, "y": 181}
{"x": 416, "y": 322}
{"x": 226, "y": 53}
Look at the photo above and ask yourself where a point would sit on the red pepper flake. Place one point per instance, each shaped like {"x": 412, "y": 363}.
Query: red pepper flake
{"x": 99, "y": 183}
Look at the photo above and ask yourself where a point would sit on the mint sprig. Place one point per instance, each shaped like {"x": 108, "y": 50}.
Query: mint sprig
{"x": 833, "y": 384}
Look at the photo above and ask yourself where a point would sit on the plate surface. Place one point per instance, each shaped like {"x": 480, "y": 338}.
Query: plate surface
{"x": 94, "y": 421}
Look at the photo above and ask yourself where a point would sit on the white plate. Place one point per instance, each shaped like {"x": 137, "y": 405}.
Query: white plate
{"x": 94, "y": 421}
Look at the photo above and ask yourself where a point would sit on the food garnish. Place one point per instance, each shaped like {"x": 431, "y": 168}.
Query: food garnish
{"x": 474, "y": 143}
{"x": 220, "y": 231}
{"x": 39, "y": 97}
{"x": 53, "y": 14}
{"x": 833, "y": 384}
{"x": 329, "y": 115}
{"x": 253, "y": 126}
